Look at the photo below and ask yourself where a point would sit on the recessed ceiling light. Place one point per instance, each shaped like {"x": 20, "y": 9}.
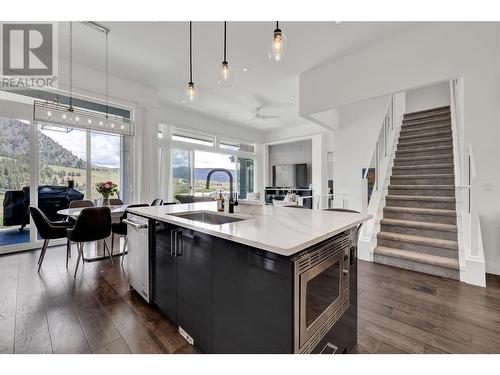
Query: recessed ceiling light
{"x": 292, "y": 97}
{"x": 337, "y": 22}
{"x": 245, "y": 69}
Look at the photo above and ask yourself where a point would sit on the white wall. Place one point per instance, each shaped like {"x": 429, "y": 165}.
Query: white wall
{"x": 429, "y": 54}
{"x": 354, "y": 145}
{"x": 427, "y": 97}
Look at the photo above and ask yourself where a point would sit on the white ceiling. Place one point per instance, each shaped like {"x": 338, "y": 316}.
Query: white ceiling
{"x": 156, "y": 54}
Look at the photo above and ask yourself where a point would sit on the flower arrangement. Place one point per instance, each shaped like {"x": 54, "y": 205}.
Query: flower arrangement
{"x": 106, "y": 189}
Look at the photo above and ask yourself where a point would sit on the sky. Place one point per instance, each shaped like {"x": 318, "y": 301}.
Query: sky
{"x": 105, "y": 149}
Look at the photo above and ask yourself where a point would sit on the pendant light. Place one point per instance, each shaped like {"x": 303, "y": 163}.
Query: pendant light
{"x": 278, "y": 45}
{"x": 191, "y": 94}
{"x": 225, "y": 77}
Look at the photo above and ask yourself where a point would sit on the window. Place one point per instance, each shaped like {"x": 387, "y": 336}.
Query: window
{"x": 236, "y": 146}
{"x": 194, "y": 154}
{"x": 181, "y": 172}
{"x": 192, "y": 137}
{"x": 204, "y": 162}
{"x": 105, "y": 157}
{"x": 245, "y": 175}
{"x": 62, "y": 157}
{"x": 14, "y": 180}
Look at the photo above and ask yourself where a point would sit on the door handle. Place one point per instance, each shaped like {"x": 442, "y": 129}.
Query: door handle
{"x": 179, "y": 251}
{"x": 138, "y": 226}
{"x": 173, "y": 241}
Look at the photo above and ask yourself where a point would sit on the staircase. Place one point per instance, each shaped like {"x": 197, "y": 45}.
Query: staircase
{"x": 418, "y": 230}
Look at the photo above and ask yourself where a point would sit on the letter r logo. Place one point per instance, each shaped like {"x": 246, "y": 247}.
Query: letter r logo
{"x": 27, "y": 49}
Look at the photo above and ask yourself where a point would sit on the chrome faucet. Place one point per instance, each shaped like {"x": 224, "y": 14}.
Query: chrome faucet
{"x": 232, "y": 202}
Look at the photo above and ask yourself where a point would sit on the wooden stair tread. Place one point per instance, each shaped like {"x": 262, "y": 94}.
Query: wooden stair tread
{"x": 425, "y": 211}
{"x": 420, "y": 225}
{"x": 428, "y": 187}
{"x": 437, "y": 175}
{"x": 436, "y": 109}
{"x": 410, "y": 238}
{"x": 423, "y": 157}
{"x": 429, "y": 259}
{"x": 424, "y": 198}
{"x": 424, "y": 166}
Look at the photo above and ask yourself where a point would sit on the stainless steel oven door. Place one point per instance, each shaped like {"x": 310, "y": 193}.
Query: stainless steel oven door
{"x": 321, "y": 293}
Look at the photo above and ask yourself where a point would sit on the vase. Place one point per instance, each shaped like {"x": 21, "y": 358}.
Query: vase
{"x": 105, "y": 202}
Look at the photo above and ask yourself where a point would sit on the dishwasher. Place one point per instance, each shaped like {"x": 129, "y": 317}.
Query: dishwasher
{"x": 137, "y": 262}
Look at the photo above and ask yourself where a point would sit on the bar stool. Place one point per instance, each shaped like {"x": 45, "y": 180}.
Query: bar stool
{"x": 157, "y": 202}
{"x": 121, "y": 229}
{"x": 49, "y": 230}
{"x": 115, "y": 202}
{"x": 93, "y": 224}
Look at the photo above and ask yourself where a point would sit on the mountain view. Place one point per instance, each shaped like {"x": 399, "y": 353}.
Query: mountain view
{"x": 57, "y": 164}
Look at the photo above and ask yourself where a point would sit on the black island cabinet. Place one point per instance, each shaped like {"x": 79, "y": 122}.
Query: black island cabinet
{"x": 230, "y": 297}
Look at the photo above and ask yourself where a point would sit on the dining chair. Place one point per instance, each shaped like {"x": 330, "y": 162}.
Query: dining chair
{"x": 49, "y": 230}
{"x": 157, "y": 202}
{"x": 93, "y": 224}
{"x": 120, "y": 229}
{"x": 81, "y": 203}
{"x": 115, "y": 202}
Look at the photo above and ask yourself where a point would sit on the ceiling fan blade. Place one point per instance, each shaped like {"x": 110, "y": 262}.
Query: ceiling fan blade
{"x": 264, "y": 117}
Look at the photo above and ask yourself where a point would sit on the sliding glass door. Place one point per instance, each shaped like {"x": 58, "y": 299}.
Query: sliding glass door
{"x": 14, "y": 181}
{"x": 47, "y": 166}
{"x": 105, "y": 157}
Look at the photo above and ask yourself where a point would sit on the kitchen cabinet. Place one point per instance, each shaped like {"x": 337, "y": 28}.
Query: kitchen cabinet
{"x": 164, "y": 268}
{"x": 194, "y": 286}
{"x": 252, "y": 294}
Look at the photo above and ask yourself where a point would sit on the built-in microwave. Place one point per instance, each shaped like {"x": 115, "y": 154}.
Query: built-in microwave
{"x": 321, "y": 291}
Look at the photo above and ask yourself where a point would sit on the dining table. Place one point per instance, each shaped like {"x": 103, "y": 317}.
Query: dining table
{"x": 93, "y": 251}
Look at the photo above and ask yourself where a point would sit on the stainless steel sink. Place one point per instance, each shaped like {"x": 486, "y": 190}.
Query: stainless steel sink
{"x": 208, "y": 217}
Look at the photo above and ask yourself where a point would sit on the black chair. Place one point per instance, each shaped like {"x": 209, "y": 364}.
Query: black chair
{"x": 115, "y": 202}
{"x": 93, "y": 224}
{"x": 358, "y": 229}
{"x": 81, "y": 204}
{"x": 157, "y": 202}
{"x": 49, "y": 230}
{"x": 120, "y": 229}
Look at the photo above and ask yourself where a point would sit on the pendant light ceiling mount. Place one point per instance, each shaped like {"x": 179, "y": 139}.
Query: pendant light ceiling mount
{"x": 191, "y": 92}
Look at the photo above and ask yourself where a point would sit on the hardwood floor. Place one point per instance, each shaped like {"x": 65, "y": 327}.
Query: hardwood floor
{"x": 400, "y": 311}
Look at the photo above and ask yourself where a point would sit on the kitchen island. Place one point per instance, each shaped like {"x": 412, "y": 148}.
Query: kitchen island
{"x": 283, "y": 281}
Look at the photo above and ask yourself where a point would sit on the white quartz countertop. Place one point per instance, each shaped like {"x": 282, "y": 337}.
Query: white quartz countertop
{"x": 280, "y": 230}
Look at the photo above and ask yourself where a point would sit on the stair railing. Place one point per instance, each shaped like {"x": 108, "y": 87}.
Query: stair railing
{"x": 375, "y": 174}
{"x": 471, "y": 254}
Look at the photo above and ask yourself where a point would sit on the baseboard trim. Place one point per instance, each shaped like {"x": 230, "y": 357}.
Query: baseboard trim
{"x": 493, "y": 268}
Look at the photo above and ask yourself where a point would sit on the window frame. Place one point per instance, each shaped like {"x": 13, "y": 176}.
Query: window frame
{"x": 21, "y": 107}
{"x": 167, "y": 144}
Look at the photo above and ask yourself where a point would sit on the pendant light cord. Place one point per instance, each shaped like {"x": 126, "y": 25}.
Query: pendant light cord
{"x": 190, "y": 52}
{"x": 71, "y": 65}
{"x": 225, "y": 60}
{"x": 107, "y": 83}
{"x": 277, "y": 25}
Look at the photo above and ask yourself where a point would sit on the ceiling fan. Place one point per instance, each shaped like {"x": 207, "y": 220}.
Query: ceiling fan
{"x": 259, "y": 116}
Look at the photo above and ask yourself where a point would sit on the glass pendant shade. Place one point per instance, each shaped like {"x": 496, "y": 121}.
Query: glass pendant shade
{"x": 225, "y": 77}
{"x": 278, "y": 46}
{"x": 191, "y": 93}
